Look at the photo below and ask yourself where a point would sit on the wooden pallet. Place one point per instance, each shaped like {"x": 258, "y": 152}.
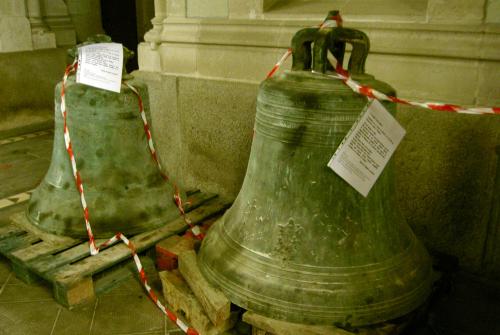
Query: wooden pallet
{"x": 67, "y": 264}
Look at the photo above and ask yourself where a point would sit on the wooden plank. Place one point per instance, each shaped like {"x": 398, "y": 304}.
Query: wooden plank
{"x": 23, "y": 273}
{"x": 216, "y": 305}
{"x": 107, "y": 258}
{"x": 16, "y": 242}
{"x": 192, "y": 191}
{"x": 46, "y": 264}
{"x": 179, "y": 296}
{"x": 20, "y": 258}
{"x": 273, "y": 326}
{"x": 168, "y": 250}
{"x": 197, "y": 199}
{"x": 9, "y": 231}
{"x": 40, "y": 249}
{"x": 107, "y": 280}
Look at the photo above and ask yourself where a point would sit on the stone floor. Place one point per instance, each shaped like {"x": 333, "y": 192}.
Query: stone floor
{"x": 465, "y": 305}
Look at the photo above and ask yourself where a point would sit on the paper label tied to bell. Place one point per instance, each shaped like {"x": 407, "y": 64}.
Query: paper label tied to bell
{"x": 368, "y": 146}
{"x": 100, "y": 65}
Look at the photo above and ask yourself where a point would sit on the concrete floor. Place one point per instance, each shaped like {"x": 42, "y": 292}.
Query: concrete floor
{"x": 465, "y": 305}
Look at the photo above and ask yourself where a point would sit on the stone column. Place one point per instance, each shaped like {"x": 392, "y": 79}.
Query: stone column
{"x": 41, "y": 35}
{"x": 86, "y": 17}
{"x": 58, "y": 19}
{"x": 153, "y": 37}
{"x": 15, "y": 32}
{"x": 456, "y": 11}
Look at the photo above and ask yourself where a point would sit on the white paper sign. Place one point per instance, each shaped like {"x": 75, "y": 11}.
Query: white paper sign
{"x": 100, "y": 65}
{"x": 364, "y": 152}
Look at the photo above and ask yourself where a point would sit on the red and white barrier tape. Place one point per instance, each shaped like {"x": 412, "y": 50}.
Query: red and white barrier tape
{"x": 372, "y": 93}
{"x": 94, "y": 250}
{"x": 279, "y": 63}
{"x": 436, "y": 106}
{"x": 177, "y": 198}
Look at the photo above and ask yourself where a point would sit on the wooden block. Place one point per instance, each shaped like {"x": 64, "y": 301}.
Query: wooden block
{"x": 117, "y": 253}
{"x": 168, "y": 250}
{"x": 273, "y": 326}
{"x": 216, "y": 305}
{"x": 80, "y": 291}
{"x": 182, "y": 300}
{"x": 278, "y": 327}
{"x": 10, "y": 230}
{"x": 23, "y": 273}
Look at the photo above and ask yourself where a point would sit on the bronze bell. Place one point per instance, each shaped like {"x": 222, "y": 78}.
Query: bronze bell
{"x": 123, "y": 186}
{"x": 299, "y": 244}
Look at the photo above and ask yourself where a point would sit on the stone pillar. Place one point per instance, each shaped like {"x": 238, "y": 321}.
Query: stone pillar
{"x": 86, "y": 17}
{"x": 153, "y": 36}
{"x": 456, "y": 11}
{"x": 15, "y": 31}
{"x": 41, "y": 35}
{"x": 58, "y": 19}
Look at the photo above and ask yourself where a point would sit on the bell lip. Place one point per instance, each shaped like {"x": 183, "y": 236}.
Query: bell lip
{"x": 273, "y": 307}
{"x": 150, "y": 225}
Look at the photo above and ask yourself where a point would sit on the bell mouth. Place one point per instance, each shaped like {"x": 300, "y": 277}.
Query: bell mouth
{"x": 356, "y": 296}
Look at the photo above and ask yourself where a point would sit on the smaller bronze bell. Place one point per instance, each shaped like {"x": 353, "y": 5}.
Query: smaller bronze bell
{"x": 123, "y": 186}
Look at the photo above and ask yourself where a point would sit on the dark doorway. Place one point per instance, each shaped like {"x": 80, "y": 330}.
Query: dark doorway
{"x": 119, "y": 21}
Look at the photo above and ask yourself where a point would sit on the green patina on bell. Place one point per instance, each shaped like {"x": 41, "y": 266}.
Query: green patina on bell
{"x": 299, "y": 243}
{"x": 123, "y": 187}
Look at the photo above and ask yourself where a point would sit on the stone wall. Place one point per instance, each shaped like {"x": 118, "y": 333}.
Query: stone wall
{"x": 34, "y": 35}
{"x": 27, "y": 92}
{"x": 203, "y": 65}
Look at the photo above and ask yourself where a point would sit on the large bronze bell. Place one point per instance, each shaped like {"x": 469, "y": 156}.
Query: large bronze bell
{"x": 300, "y": 244}
{"x": 123, "y": 187}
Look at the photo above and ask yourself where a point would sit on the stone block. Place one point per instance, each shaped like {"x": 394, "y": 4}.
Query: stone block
{"x": 15, "y": 34}
{"x": 427, "y": 78}
{"x": 176, "y": 8}
{"x": 178, "y": 58}
{"x": 207, "y": 9}
{"x": 216, "y": 122}
{"x": 493, "y": 11}
{"x": 488, "y": 90}
{"x": 28, "y": 95}
{"x": 491, "y": 261}
{"x": 165, "y": 122}
{"x": 12, "y": 8}
{"x": 236, "y": 62}
{"x": 43, "y": 39}
{"x": 453, "y": 11}
{"x": 245, "y": 9}
{"x": 149, "y": 58}
{"x": 445, "y": 170}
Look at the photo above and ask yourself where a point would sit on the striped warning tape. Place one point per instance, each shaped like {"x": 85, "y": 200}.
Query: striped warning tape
{"x": 177, "y": 198}
{"x": 15, "y": 199}
{"x": 370, "y": 92}
{"x": 20, "y": 138}
{"x": 94, "y": 250}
